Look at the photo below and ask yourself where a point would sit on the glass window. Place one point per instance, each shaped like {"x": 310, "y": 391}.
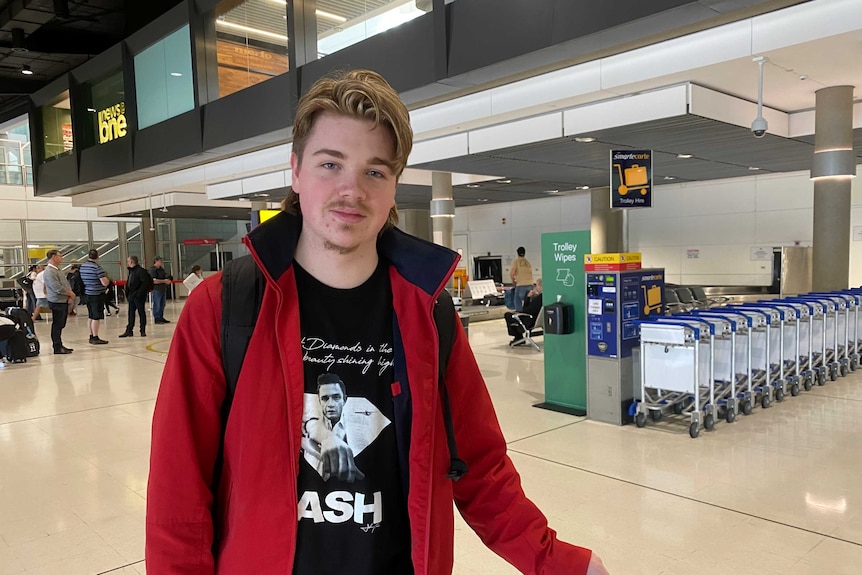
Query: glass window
{"x": 251, "y": 42}
{"x": 163, "y": 79}
{"x": 105, "y": 101}
{"x": 342, "y": 24}
{"x": 10, "y": 230}
{"x": 57, "y": 128}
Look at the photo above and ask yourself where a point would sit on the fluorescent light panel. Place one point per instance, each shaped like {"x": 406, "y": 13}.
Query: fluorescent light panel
{"x": 249, "y": 29}
{"x": 321, "y": 13}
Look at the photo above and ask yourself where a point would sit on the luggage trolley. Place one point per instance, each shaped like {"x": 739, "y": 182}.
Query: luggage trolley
{"x": 740, "y": 396}
{"x": 803, "y": 348}
{"x": 856, "y": 293}
{"x": 789, "y": 345}
{"x": 760, "y": 333}
{"x": 777, "y": 373}
{"x": 848, "y": 358}
{"x": 818, "y": 360}
{"x": 831, "y": 356}
{"x": 671, "y": 367}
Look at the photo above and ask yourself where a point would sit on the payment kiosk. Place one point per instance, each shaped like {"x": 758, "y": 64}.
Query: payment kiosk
{"x": 618, "y": 294}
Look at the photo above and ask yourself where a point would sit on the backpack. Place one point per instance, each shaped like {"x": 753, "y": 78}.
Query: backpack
{"x": 241, "y": 279}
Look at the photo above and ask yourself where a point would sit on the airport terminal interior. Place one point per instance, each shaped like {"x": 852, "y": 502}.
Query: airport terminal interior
{"x": 680, "y": 174}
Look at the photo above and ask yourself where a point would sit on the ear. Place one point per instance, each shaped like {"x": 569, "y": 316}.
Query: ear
{"x": 294, "y": 168}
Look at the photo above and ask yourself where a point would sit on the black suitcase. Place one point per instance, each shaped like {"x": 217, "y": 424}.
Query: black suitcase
{"x": 17, "y": 347}
{"x": 11, "y": 297}
{"x": 22, "y": 318}
{"x": 33, "y": 346}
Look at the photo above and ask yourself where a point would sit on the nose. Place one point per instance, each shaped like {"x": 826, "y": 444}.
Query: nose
{"x": 353, "y": 185}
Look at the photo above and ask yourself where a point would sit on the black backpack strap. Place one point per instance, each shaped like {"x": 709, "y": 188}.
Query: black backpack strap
{"x": 242, "y": 286}
{"x": 241, "y": 297}
{"x": 444, "y": 317}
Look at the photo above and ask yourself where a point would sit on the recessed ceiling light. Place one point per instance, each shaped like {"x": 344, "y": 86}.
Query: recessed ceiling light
{"x": 585, "y": 140}
{"x": 583, "y": 187}
{"x": 670, "y": 177}
{"x": 684, "y": 156}
{"x": 472, "y": 185}
{"x": 753, "y": 168}
{"x": 552, "y": 191}
{"x": 176, "y": 74}
{"x": 261, "y": 195}
{"x": 482, "y": 200}
{"x": 242, "y": 199}
{"x": 25, "y": 69}
{"x": 504, "y": 181}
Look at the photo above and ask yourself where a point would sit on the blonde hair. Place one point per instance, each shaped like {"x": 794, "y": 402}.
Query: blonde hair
{"x": 360, "y": 94}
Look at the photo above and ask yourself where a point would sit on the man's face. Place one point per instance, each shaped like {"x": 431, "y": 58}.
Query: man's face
{"x": 57, "y": 259}
{"x": 346, "y": 183}
{"x": 331, "y": 401}
{"x": 157, "y": 263}
{"x": 130, "y": 263}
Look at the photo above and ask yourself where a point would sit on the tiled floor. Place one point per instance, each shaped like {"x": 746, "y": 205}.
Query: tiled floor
{"x": 776, "y": 492}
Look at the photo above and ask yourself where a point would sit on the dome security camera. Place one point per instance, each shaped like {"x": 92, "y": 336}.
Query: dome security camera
{"x": 759, "y": 127}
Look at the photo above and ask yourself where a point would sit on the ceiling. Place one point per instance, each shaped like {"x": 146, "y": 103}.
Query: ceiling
{"x": 58, "y": 35}
{"x": 195, "y": 213}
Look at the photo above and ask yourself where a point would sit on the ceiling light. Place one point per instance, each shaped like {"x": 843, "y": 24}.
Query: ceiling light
{"x": 176, "y": 74}
{"x": 261, "y": 195}
{"x": 330, "y": 16}
{"x": 684, "y": 156}
{"x": 504, "y": 181}
{"x": 93, "y": 110}
{"x": 19, "y": 40}
{"x": 25, "y": 69}
{"x": 250, "y": 30}
{"x": 321, "y": 13}
{"x": 225, "y": 216}
{"x": 243, "y": 200}
{"x": 552, "y": 191}
{"x": 670, "y": 177}
{"x": 585, "y": 140}
{"x": 472, "y": 185}
{"x": 137, "y": 214}
{"x": 753, "y": 168}
{"x": 583, "y": 187}
{"x": 482, "y": 199}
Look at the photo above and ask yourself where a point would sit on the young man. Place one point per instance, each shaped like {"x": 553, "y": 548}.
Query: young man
{"x": 138, "y": 286}
{"x": 521, "y": 273}
{"x": 59, "y": 294}
{"x": 346, "y": 294}
{"x": 161, "y": 281}
{"x": 95, "y": 281}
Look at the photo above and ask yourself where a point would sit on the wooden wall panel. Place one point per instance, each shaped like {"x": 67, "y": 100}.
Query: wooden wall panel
{"x": 241, "y": 66}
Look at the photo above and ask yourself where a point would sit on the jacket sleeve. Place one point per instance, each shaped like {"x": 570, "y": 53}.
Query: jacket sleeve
{"x": 489, "y": 496}
{"x": 185, "y": 441}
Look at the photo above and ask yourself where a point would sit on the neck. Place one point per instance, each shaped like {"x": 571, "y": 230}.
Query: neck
{"x": 341, "y": 271}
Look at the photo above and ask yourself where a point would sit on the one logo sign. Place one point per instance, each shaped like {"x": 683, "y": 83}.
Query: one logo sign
{"x": 112, "y": 123}
{"x": 631, "y": 178}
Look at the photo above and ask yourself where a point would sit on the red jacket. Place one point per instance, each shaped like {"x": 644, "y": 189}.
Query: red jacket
{"x": 256, "y": 502}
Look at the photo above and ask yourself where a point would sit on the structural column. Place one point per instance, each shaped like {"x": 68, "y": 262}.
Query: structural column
{"x": 148, "y": 241}
{"x": 442, "y": 209}
{"x": 833, "y": 166}
{"x": 606, "y": 229}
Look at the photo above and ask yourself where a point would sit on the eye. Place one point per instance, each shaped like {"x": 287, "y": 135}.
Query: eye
{"x": 328, "y": 165}
{"x": 376, "y": 174}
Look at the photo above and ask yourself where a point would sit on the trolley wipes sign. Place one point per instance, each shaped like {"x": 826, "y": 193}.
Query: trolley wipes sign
{"x": 631, "y": 178}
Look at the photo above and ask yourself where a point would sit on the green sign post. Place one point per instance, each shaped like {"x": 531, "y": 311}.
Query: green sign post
{"x": 566, "y": 355}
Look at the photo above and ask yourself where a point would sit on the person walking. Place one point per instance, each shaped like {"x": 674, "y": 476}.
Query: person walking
{"x": 59, "y": 293}
{"x": 95, "y": 281}
{"x": 39, "y": 291}
{"x": 161, "y": 281}
{"x": 138, "y": 285}
{"x": 193, "y": 279}
{"x": 521, "y": 273}
{"x": 77, "y": 284}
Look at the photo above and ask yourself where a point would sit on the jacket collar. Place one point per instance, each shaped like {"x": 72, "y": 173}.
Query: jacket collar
{"x": 421, "y": 263}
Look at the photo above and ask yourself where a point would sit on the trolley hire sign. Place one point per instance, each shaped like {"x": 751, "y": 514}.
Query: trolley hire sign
{"x": 631, "y": 178}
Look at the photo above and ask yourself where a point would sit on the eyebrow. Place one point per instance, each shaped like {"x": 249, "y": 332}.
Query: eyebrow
{"x": 340, "y": 155}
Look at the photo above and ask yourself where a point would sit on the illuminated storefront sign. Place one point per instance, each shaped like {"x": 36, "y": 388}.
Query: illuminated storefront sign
{"x": 112, "y": 123}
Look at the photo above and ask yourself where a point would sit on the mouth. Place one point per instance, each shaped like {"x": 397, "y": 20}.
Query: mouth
{"x": 348, "y": 214}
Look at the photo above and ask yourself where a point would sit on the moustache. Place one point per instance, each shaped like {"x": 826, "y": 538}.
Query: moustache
{"x": 344, "y": 205}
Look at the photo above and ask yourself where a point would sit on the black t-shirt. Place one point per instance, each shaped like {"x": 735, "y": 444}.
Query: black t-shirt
{"x": 159, "y": 274}
{"x": 359, "y": 527}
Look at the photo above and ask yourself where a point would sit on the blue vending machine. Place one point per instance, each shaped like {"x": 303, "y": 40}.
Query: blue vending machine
{"x": 616, "y": 300}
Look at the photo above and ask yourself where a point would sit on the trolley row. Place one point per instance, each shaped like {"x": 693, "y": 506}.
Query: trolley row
{"x": 716, "y": 363}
